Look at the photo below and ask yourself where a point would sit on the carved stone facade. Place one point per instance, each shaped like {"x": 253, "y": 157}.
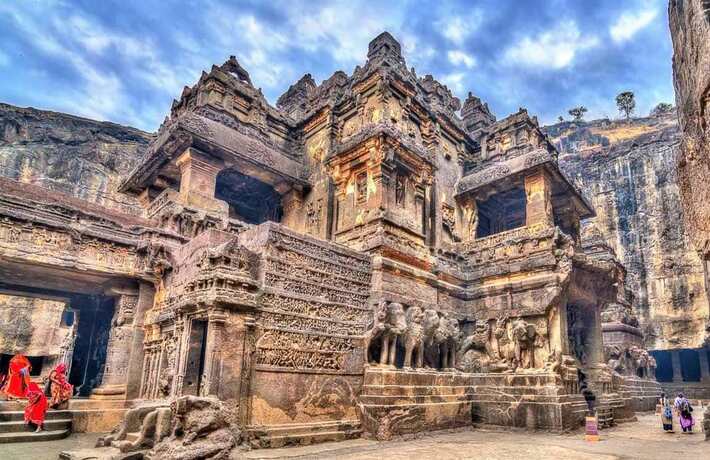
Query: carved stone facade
{"x": 359, "y": 259}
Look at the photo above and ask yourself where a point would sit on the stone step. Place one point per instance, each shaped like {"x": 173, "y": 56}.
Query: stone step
{"x": 306, "y": 428}
{"x": 13, "y": 416}
{"x": 49, "y": 425}
{"x": 311, "y": 438}
{"x": 6, "y": 438}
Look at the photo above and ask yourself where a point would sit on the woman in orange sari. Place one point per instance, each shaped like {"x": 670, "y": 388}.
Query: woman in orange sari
{"x": 60, "y": 389}
{"x": 36, "y": 408}
{"x": 18, "y": 378}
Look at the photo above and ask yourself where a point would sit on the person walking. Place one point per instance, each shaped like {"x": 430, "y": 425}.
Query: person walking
{"x": 36, "y": 408}
{"x": 666, "y": 413}
{"x": 685, "y": 413}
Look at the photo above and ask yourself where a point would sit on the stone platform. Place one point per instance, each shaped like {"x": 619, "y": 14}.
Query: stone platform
{"x": 397, "y": 402}
{"x": 644, "y": 393}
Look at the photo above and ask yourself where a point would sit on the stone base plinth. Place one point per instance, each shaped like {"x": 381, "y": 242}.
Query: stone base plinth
{"x": 396, "y": 402}
{"x": 114, "y": 392}
{"x": 642, "y": 393}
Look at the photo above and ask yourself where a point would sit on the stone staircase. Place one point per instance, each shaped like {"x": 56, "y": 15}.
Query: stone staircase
{"x": 57, "y": 425}
{"x": 304, "y": 434}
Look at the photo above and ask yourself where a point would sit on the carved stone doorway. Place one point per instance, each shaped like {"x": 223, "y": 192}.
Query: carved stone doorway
{"x": 195, "y": 364}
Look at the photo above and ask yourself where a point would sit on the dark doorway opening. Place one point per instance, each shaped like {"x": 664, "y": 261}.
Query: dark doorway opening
{"x": 195, "y": 365}
{"x": 664, "y": 365}
{"x": 690, "y": 365}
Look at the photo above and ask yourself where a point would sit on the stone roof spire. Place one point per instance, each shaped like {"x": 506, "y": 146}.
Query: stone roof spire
{"x": 384, "y": 47}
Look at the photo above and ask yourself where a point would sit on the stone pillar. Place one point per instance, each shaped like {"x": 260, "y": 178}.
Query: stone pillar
{"x": 538, "y": 207}
{"x": 113, "y": 383}
{"x": 675, "y": 361}
{"x": 213, "y": 355}
{"x": 198, "y": 181}
{"x": 292, "y": 204}
{"x": 146, "y": 291}
{"x": 704, "y": 367}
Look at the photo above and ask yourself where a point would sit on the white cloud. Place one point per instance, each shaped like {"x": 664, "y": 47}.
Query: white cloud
{"x": 458, "y": 57}
{"x": 630, "y": 23}
{"x": 457, "y": 28}
{"x": 555, "y": 49}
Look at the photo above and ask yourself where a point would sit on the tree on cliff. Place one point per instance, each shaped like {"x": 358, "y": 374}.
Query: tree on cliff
{"x": 662, "y": 108}
{"x": 578, "y": 112}
{"x": 626, "y": 103}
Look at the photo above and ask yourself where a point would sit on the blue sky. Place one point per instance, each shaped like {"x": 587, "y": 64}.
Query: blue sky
{"x": 124, "y": 61}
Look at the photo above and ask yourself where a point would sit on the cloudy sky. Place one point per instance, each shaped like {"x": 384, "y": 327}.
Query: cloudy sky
{"x": 125, "y": 61}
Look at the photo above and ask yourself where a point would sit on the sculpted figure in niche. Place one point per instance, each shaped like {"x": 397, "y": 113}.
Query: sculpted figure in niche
{"x": 400, "y": 189}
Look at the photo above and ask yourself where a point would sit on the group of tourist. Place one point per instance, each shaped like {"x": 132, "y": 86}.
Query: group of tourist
{"x": 682, "y": 407}
{"x": 16, "y": 384}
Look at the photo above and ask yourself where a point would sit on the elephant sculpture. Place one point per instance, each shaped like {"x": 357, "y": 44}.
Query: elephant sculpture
{"x": 448, "y": 337}
{"x": 421, "y": 328}
{"x": 524, "y": 337}
{"x": 394, "y": 325}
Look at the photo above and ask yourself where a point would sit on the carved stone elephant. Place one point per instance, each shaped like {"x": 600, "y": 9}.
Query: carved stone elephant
{"x": 394, "y": 325}
{"x": 413, "y": 337}
{"x": 448, "y": 337}
{"x": 524, "y": 335}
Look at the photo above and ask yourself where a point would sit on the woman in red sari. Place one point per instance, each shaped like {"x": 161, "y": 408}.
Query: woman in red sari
{"x": 36, "y": 407}
{"x": 60, "y": 389}
{"x": 18, "y": 378}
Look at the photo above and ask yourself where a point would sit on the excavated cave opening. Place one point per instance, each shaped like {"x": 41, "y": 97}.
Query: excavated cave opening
{"x": 501, "y": 212}
{"x": 250, "y": 200}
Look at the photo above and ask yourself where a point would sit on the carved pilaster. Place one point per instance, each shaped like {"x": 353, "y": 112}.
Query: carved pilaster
{"x": 198, "y": 181}
{"x": 113, "y": 385}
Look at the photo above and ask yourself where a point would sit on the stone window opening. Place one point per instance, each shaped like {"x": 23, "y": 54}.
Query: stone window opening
{"x": 250, "y": 200}
{"x": 501, "y": 212}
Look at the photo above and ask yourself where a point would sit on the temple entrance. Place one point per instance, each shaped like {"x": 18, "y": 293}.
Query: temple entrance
{"x": 54, "y": 327}
{"x": 195, "y": 365}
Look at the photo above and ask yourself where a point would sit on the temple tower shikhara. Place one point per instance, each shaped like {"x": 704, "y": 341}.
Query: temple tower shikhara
{"x": 369, "y": 256}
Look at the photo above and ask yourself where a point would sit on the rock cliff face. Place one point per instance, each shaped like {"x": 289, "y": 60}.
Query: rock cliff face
{"x": 77, "y": 156}
{"x": 627, "y": 170}
{"x": 690, "y": 31}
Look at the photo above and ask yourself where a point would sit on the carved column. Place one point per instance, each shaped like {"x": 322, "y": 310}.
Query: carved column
{"x": 198, "y": 181}
{"x": 113, "y": 384}
{"x": 704, "y": 367}
{"x": 538, "y": 208}
{"x": 213, "y": 355}
{"x": 675, "y": 361}
{"x": 146, "y": 292}
{"x": 246, "y": 372}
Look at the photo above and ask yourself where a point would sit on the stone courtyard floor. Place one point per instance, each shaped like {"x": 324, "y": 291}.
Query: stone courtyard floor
{"x": 640, "y": 440}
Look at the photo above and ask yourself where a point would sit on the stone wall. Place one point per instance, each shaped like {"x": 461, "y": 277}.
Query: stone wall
{"x": 73, "y": 155}
{"x": 627, "y": 171}
{"x": 31, "y": 326}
